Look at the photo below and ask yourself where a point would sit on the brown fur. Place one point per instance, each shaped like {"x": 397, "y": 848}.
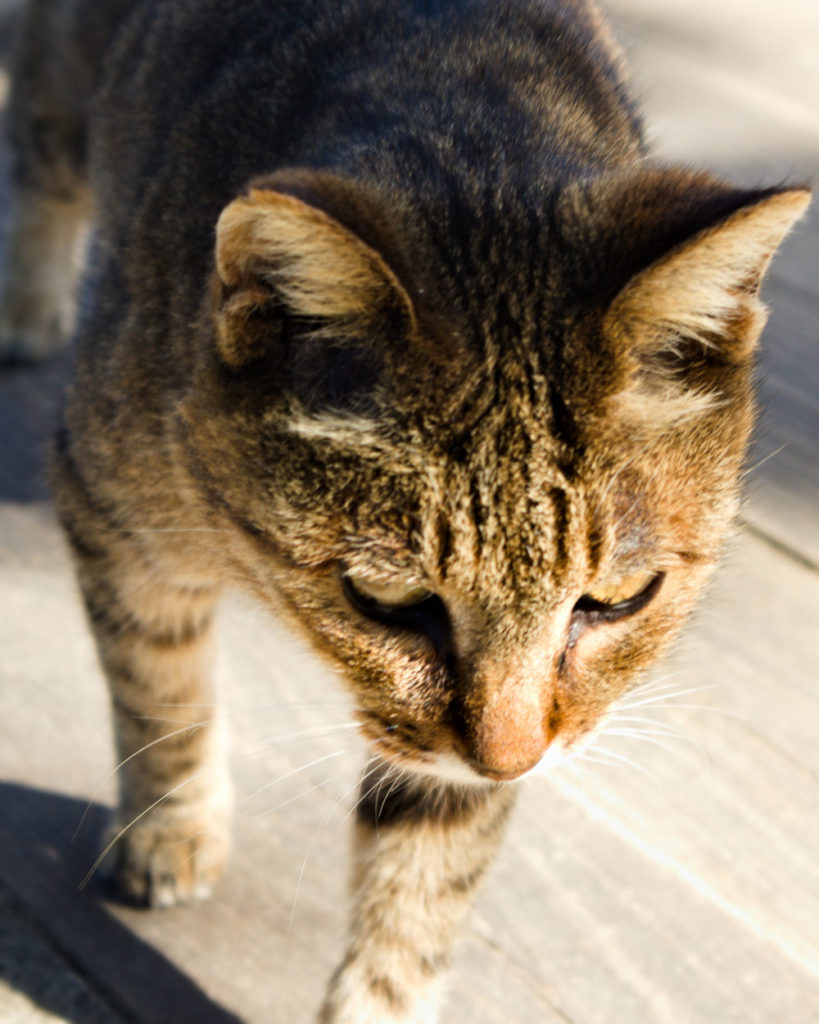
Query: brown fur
{"x": 433, "y": 322}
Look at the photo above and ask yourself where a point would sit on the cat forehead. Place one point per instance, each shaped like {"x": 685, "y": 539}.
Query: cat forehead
{"x": 497, "y": 482}
{"x": 500, "y": 501}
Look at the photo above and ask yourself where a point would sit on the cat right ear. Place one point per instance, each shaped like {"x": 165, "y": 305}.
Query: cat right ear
{"x": 697, "y": 305}
{"x": 679, "y": 258}
{"x": 279, "y": 256}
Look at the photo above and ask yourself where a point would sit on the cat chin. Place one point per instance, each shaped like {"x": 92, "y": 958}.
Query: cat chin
{"x": 444, "y": 767}
{"x": 451, "y": 768}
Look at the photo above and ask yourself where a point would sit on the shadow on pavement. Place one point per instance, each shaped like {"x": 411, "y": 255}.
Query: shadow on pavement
{"x": 29, "y": 399}
{"x": 42, "y": 866}
{"x": 29, "y": 396}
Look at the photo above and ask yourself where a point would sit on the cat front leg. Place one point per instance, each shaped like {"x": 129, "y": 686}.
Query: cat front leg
{"x": 421, "y": 849}
{"x": 169, "y": 838}
{"x": 170, "y": 833}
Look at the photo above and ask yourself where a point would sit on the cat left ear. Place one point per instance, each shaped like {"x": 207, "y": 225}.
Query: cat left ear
{"x": 699, "y": 303}
{"x": 279, "y": 256}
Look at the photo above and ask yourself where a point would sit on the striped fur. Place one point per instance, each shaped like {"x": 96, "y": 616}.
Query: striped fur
{"x": 432, "y": 844}
{"x": 387, "y": 293}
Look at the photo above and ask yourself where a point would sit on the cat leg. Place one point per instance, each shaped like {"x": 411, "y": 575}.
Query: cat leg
{"x": 170, "y": 838}
{"x": 155, "y": 643}
{"x": 422, "y": 847}
{"x": 51, "y": 201}
{"x": 43, "y": 267}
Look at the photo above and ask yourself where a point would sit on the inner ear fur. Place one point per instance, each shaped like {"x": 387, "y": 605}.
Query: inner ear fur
{"x": 279, "y": 255}
{"x": 697, "y": 308}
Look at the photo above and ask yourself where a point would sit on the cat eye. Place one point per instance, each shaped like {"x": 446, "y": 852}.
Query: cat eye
{"x": 618, "y": 598}
{"x": 402, "y": 606}
{"x": 616, "y": 591}
{"x": 395, "y": 595}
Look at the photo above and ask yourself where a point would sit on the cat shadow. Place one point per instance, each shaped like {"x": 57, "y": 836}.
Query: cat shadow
{"x": 40, "y": 866}
{"x": 29, "y": 395}
{"x": 29, "y": 400}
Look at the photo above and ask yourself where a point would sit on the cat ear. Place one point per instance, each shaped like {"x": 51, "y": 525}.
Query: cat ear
{"x": 278, "y": 255}
{"x": 698, "y": 307}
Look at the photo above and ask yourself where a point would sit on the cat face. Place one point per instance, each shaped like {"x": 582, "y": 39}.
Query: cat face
{"x": 490, "y": 517}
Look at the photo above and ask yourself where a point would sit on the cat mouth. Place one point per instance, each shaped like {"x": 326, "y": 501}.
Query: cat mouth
{"x": 497, "y": 775}
{"x": 391, "y": 743}
{"x": 400, "y": 745}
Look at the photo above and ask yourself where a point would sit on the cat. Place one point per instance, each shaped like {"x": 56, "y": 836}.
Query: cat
{"x": 392, "y": 297}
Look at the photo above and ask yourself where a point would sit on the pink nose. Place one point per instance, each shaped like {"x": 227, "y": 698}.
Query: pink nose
{"x": 509, "y": 739}
{"x": 502, "y": 776}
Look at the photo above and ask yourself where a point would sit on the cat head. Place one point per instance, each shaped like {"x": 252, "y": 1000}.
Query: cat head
{"x": 485, "y": 458}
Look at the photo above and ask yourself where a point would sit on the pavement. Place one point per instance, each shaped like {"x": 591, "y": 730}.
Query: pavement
{"x": 685, "y": 892}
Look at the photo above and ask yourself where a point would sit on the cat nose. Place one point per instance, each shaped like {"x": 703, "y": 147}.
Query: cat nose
{"x": 505, "y": 751}
{"x": 508, "y": 735}
{"x": 495, "y": 775}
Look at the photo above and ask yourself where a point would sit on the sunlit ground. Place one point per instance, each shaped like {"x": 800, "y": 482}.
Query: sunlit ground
{"x": 671, "y": 878}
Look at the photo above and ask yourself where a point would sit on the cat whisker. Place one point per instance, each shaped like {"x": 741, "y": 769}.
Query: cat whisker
{"x": 318, "y": 730}
{"x": 272, "y": 810}
{"x": 656, "y": 681}
{"x": 651, "y": 685}
{"x": 657, "y": 739}
{"x": 191, "y": 726}
{"x": 362, "y": 795}
{"x": 646, "y": 720}
{"x": 171, "y": 721}
{"x": 651, "y": 730}
{"x": 752, "y": 469}
{"x": 590, "y": 762}
{"x": 630, "y": 705}
{"x": 707, "y": 707}
{"x": 315, "y": 732}
{"x": 290, "y": 800}
{"x": 596, "y": 750}
{"x": 661, "y": 690}
{"x": 359, "y": 782}
{"x": 322, "y": 824}
{"x": 400, "y": 776}
{"x": 587, "y": 758}
{"x": 191, "y": 778}
{"x": 110, "y": 845}
{"x": 641, "y": 732}
{"x": 656, "y": 728}
{"x": 582, "y": 770}
{"x": 379, "y": 786}
{"x": 288, "y": 775}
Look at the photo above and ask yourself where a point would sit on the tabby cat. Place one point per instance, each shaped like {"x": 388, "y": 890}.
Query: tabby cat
{"x": 392, "y": 297}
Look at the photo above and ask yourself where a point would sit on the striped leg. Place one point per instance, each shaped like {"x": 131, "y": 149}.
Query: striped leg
{"x": 174, "y": 795}
{"x": 421, "y": 852}
{"x": 42, "y": 272}
{"x": 154, "y": 641}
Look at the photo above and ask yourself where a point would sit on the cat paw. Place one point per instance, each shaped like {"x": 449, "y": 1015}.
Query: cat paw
{"x": 162, "y": 863}
{"x": 26, "y": 339}
{"x": 359, "y": 996}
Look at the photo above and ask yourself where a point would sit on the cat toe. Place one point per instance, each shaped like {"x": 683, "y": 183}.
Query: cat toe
{"x": 158, "y": 867}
